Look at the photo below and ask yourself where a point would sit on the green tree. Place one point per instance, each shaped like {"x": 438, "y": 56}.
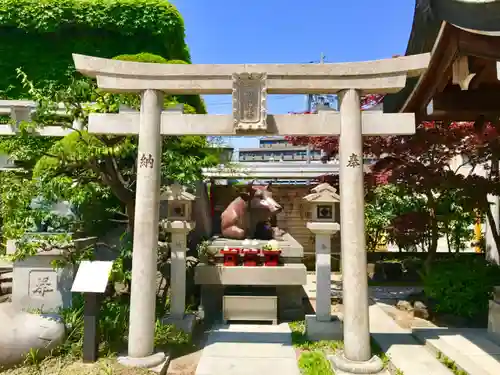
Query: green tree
{"x": 385, "y": 205}
{"x": 39, "y": 36}
{"x": 95, "y": 173}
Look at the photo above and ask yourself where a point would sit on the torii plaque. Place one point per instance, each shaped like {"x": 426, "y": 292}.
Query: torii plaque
{"x": 249, "y": 102}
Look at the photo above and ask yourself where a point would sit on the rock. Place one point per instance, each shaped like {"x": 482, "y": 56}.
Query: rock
{"x": 393, "y": 271}
{"x": 419, "y": 305}
{"x": 404, "y": 306}
{"x": 420, "y": 310}
{"x": 21, "y": 331}
{"x": 370, "y": 269}
{"x": 412, "y": 268}
{"x": 378, "y": 274}
{"x": 386, "y": 271}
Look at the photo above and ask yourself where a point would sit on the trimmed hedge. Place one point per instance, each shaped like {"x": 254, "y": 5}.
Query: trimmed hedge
{"x": 40, "y": 35}
{"x": 462, "y": 287}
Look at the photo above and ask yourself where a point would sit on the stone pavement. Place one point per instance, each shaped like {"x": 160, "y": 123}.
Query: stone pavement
{"x": 405, "y": 352}
{"x": 249, "y": 349}
{"x": 469, "y": 348}
{"x": 377, "y": 293}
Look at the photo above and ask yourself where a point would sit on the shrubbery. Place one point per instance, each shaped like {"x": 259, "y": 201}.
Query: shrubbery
{"x": 461, "y": 288}
{"x": 113, "y": 327}
{"x": 40, "y": 36}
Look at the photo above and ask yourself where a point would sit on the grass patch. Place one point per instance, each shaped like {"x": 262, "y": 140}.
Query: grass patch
{"x": 313, "y": 360}
{"x": 113, "y": 330}
{"x": 314, "y": 363}
{"x": 300, "y": 341}
{"x": 74, "y": 366}
{"x": 449, "y": 363}
{"x": 377, "y": 350}
{"x": 386, "y": 359}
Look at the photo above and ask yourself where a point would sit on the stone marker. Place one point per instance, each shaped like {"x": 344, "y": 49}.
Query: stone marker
{"x": 179, "y": 224}
{"x": 323, "y": 201}
{"x": 36, "y": 284}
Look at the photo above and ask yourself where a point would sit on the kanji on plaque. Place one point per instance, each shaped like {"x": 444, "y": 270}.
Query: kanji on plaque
{"x": 353, "y": 161}
{"x": 146, "y": 161}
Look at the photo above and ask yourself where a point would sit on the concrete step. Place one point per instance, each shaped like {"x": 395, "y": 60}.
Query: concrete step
{"x": 6, "y": 275}
{"x": 5, "y": 264}
{"x": 404, "y": 351}
{"x": 5, "y": 288}
{"x": 470, "y": 349}
{"x": 5, "y": 282}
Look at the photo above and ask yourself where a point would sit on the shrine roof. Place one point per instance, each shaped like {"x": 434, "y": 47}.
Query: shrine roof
{"x": 474, "y": 16}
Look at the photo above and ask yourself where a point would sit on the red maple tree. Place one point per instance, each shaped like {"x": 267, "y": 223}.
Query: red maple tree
{"x": 421, "y": 162}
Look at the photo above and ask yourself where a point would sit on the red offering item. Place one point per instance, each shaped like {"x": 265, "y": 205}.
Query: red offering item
{"x": 250, "y": 257}
{"x": 231, "y": 256}
{"x": 271, "y": 257}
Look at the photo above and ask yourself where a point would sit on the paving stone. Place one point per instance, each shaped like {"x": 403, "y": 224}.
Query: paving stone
{"x": 406, "y": 353}
{"x": 248, "y": 349}
{"x": 470, "y": 349}
{"x": 247, "y": 366}
{"x": 244, "y": 350}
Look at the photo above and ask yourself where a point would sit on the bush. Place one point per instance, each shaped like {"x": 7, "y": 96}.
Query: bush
{"x": 92, "y": 27}
{"x": 113, "y": 327}
{"x": 193, "y": 103}
{"x": 461, "y": 288}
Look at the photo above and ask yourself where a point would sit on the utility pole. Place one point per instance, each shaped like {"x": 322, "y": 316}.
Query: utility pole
{"x": 309, "y": 97}
{"x": 309, "y": 105}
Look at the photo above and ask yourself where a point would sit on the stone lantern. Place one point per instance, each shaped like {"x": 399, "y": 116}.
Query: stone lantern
{"x": 322, "y": 203}
{"x": 178, "y": 223}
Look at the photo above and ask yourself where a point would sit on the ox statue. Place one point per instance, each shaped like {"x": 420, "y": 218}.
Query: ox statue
{"x": 250, "y": 214}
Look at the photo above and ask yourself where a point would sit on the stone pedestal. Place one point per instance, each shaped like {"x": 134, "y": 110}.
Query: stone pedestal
{"x": 177, "y": 316}
{"x": 37, "y": 285}
{"x": 343, "y": 366}
{"x": 323, "y": 326}
{"x": 318, "y": 330}
{"x": 178, "y": 223}
{"x": 494, "y": 317}
{"x": 287, "y": 280}
{"x": 157, "y": 362}
{"x": 290, "y": 302}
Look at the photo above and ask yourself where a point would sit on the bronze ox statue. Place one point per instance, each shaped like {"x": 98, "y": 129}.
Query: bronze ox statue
{"x": 250, "y": 215}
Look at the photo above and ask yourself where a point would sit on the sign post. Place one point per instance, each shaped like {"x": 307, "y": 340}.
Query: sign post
{"x": 91, "y": 280}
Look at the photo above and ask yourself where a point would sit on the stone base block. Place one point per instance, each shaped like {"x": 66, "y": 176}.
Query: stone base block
{"x": 186, "y": 324}
{"x": 157, "y": 363}
{"x": 343, "y": 366}
{"x": 494, "y": 321}
{"x": 317, "y": 330}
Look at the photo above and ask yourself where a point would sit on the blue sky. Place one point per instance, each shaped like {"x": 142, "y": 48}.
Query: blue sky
{"x": 291, "y": 31}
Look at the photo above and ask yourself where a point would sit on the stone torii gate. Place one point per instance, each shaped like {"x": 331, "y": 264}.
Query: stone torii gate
{"x": 249, "y": 86}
